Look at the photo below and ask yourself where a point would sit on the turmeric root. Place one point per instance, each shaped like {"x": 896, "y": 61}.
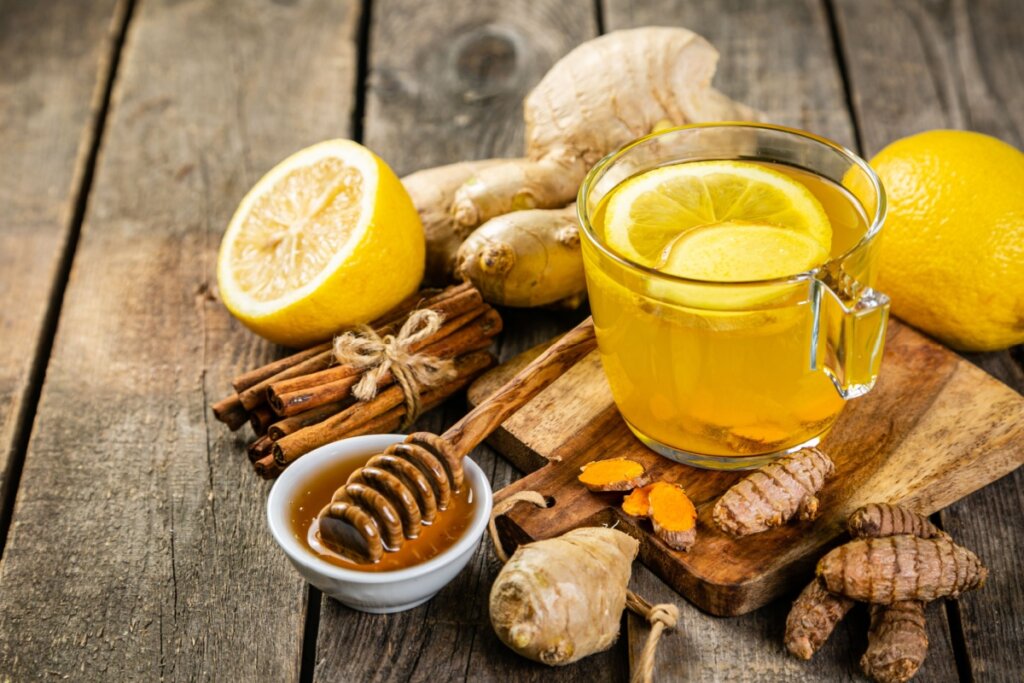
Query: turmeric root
{"x": 673, "y": 515}
{"x": 613, "y": 474}
{"x": 897, "y": 642}
{"x": 525, "y": 258}
{"x": 897, "y": 568}
{"x": 432, "y": 191}
{"x": 884, "y": 519}
{"x": 773, "y": 494}
{"x": 638, "y": 502}
{"x": 603, "y": 94}
{"x": 559, "y": 600}
{"x": 812, "y": 619}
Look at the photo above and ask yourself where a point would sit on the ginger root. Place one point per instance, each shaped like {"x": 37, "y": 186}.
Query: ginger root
{"x": 613, "y": 474}
{"x": 884, "y": 519}
{"x": 673, "y": 515}
{"x": 812, "y": 619}
{"x": 526, "y": 258}
{"x": 897, "y": 568}
{"x": 772, "y": 495}
{"x": 559, "y": 600}
{"x": 432, "y": 191}
{"x": 603, "y": 94}
{"x": 897, "y": 642}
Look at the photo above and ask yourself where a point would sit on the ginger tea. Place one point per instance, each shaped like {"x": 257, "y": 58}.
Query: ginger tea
{"x": 722, "y": 370}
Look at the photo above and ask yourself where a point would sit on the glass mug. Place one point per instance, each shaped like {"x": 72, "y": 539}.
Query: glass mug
{"x": 731, "y": 375}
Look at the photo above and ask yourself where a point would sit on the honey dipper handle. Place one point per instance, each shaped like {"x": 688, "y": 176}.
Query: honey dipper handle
{"x": 478, "y": 424}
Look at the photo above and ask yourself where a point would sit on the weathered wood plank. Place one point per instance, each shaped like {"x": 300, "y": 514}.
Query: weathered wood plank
{"x": 448, "y": 91}
{"x": 780, "y": 58}
{"x": 56, "y": 61}
{"x": 138, "y": 549}
{"x": 954, "y": 64}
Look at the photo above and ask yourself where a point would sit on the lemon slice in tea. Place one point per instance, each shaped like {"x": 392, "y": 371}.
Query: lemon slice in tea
{"x": 326, "y": 239}
{"x": 651, "y": 212}
{"x": 742, "y": 252}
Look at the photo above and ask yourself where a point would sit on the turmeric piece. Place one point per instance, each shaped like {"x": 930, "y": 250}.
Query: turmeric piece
{"x": 897, "y": 642}
{"x": 432, "y": 191}
{"x": 613, "y": 474}
{"x": 772, "y": 495}
{"x": 525, "y": 258}
{"x": 673, "y": 515}
{"x": 883, "y": 519}
{"x": 561, "y": 599}
{"x": 638, "y": 502}
{"x": 897, "y": 568}
{"x": 813, "y": 617}
{"x": 659, "y": 76}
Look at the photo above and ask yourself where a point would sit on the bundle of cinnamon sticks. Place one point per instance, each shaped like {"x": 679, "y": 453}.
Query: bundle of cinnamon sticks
{"x": 303, "y": 401}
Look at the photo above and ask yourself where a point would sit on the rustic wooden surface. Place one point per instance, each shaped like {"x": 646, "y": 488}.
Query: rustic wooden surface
{"x": 137, "y": 548}
{"x": 928, "y": 399}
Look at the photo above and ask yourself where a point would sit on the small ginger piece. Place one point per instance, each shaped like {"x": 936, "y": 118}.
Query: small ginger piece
{"x": 638, "y": 502}
{"x": 772, "y": 495}
{"x": 673, "y": 515}
{"x": 813, "y": 617}
{"x": 613, "y": 474}
{"x": 561, "y": 599}
{"x": 897, "y": 568}
{"x": 884, "y": 519}
{"x": 897, "y": 642}
{"x": 525, "y": 258}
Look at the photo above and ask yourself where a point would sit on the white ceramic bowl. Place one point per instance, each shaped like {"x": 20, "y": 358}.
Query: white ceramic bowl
{"x": 378, "y": 592}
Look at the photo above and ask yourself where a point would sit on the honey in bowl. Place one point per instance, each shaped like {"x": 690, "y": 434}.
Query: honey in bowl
{"x": 317, "y": 492}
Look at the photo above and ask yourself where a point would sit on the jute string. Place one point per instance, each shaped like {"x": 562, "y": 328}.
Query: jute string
{"x": 362, "y": 348}
{"x": 663, "y": 617}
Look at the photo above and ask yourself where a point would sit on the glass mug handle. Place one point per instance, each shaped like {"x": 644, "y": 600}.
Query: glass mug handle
{"x": 848, "y": 337}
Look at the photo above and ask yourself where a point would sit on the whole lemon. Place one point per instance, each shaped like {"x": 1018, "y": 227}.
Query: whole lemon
{"x": 952, "y": 250}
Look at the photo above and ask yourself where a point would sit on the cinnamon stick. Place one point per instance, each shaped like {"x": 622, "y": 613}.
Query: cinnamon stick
{"x": 469, "y": 332}
{"x": 231, "y": 412}
{"x": 292, "y": 424}
{"x": 260, "y": 448}
{"x": 261, "y": 418}
{"x": 449, "y": 302}
{"x": 297, "y": 444}
{"x": 267, "y": 467}
{"x": 247, "y": 379}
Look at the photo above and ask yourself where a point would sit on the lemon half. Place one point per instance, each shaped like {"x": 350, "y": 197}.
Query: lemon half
{"x": 327, "y": 239}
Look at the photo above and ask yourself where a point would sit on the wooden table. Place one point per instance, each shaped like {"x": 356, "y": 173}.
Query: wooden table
{"x": 134, "y": 546}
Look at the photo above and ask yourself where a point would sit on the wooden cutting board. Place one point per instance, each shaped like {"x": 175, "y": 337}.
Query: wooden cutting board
{"x": 934, "y": 429}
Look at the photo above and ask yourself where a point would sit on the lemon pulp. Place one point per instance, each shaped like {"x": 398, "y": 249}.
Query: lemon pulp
{"x": 294, "y": 229}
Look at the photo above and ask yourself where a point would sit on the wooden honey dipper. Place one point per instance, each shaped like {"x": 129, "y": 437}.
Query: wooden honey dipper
{"x": 384, "y": 503}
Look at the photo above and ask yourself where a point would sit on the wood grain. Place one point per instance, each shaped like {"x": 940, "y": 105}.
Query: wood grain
{"x": 56, "y": 61}
{"x": 954, "y": 64}
{"x": 450, "y": 89}
{"x": 138, "y": 549}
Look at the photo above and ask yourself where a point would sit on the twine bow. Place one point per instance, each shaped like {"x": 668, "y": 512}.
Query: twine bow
{"x": 363, "y": 349}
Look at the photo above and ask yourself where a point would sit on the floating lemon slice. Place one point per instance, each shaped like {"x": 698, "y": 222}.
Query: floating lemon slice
{"x": 328, "y": 238}
{"x": 738, "y": 252}
{"x": 649, "y": 215}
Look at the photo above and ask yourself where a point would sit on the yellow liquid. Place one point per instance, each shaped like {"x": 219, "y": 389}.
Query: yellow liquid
{"x": 720, "y": 370}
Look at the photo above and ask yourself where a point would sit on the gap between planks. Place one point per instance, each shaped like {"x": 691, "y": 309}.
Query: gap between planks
{"x": 81, "y": 184}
